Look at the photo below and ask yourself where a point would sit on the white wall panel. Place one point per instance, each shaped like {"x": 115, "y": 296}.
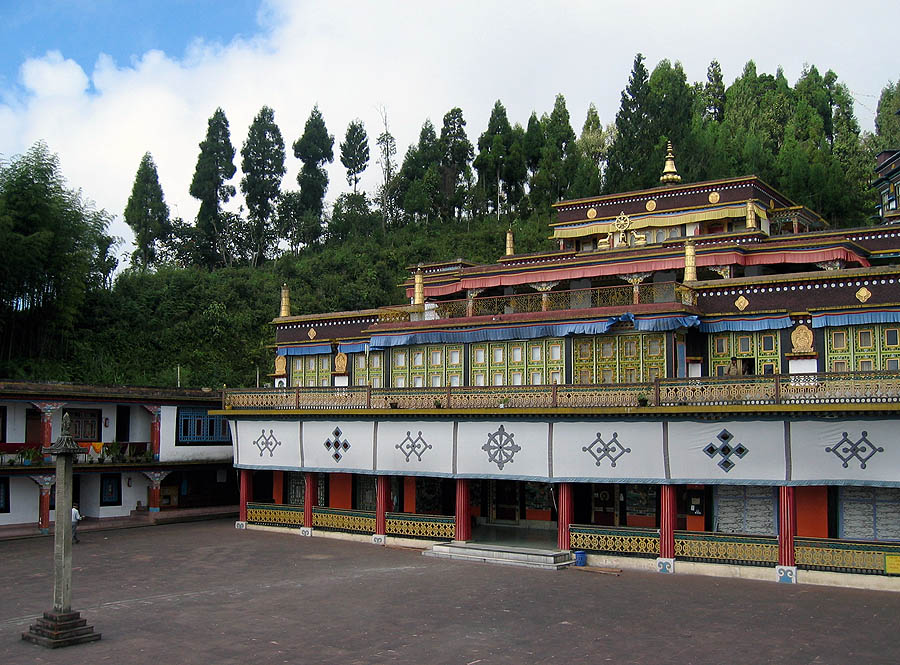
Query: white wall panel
{"x": 413, "y": 448}
{"x": 503, "y": 449}
{"x": 727, "y": 451}
{"x": 615, "y": 451}
{"x": 268, "y": 444}
{"x": 845, "y": 450}
{"x": 324, "y": 445}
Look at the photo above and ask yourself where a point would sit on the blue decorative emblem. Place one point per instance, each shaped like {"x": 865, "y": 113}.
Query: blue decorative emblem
{"x": 665, "y": 565}
{"x": 267, "y": 442}
{"x": 862, "y": 449}
{"x": 611, "y": 449}
{"x": 410, "y": 446}
{"x": 501, "y": 448}
{"x": 726, "y": 450}
{"x": 335, "y": 444}
{"x": 786, "y": 574}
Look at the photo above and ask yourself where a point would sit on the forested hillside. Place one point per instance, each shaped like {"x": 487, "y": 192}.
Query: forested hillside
{"x": 198, "y": 294}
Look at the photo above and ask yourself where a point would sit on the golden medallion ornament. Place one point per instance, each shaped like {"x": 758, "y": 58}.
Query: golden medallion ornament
{"x": 802, "y": 339}
{"x": 340, "y": 363}
{"x": 651, "y": 205}
{"x": 591, "y": 213}
{"x": 863, "y": 294}
{"x": 280, "y": 365}
{"x": 623, "y": 222}
{"x": 311, "y": 333}
{"x": 741, "y": 303}
{"x": 714, "y": 197}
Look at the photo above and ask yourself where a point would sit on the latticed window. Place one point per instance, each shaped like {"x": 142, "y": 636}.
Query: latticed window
{"x": 759, "y": 352}
{"x": 197, "y": 426}
{"x": 862, "y": 348}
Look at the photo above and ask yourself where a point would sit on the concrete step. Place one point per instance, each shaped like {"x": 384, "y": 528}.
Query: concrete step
{"x": 503, "y": 555}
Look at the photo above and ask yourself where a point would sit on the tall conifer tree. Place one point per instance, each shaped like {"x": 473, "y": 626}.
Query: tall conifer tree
{"x": 263, "y": 166}
{"x": 147, "y": 213}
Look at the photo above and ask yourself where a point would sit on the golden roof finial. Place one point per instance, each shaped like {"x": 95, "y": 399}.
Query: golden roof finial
{"x": 670, "y": 173}
{"x": 285, "y": 300}
{"x": 510, "y": 245}
{"x": 419, "y": 287}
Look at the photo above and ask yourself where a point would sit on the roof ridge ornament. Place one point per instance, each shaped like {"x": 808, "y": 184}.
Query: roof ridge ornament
{"x": 670, "y": 173}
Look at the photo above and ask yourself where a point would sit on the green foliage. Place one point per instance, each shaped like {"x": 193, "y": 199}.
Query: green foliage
{"x": 632, "y": 157}
{"x": 147, "y": 214}
{"x": 215, "y": 167}
{"x": 887, "y": 122}
{"x": 314, "y": 148}
{"x": 263, "y": 167}
{"x": 355, "y": 152}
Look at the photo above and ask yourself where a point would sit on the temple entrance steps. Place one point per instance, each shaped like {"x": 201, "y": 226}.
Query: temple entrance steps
{"x": 503, "y": 554}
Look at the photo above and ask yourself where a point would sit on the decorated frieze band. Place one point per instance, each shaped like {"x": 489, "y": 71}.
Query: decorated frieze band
{"x": 742, "y": 452}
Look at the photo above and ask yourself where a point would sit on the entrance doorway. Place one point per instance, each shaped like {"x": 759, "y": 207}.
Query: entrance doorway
{"x": 505, "y": 499}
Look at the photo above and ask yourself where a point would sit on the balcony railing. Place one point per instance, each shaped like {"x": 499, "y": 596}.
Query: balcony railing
{"x": 606, "y": 296}
{"x": 882, "y": 387}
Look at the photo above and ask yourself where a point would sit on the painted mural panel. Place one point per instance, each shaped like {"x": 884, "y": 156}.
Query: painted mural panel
{"x": 729, "y": 452}
{"x": 338, "y": 445}
{"x": 614, "y": 451}
{"x": 412, "y": 448}
{"x": 503, "y": 449}
{"x": 845, "y": 450}
{"x": 266, "y": 443}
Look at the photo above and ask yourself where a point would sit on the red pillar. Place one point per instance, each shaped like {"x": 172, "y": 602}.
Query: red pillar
{"x": 44, "y": 516}
{"x": 382, "y": 498}
{"x": 246, "y": 492}
{"x": 153, "y": 498}
{"x": 278, "y": 487}
{"x": 154, "y": 433}
{"x": 46, "y": 436}
{"x": 310, "y": 498}
{"x": 565, "y": 508}
{"x": 463, "y": 516}
{"x": 787, "y": 513}
{"x": 667, "y": 517}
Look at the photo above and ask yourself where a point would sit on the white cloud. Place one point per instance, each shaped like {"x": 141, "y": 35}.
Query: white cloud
{"x": 417, "y": 60}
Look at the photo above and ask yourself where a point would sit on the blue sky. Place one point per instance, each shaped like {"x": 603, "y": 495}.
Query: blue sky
{"x": 104, "y": 81}
{"x": 82, "y": 29}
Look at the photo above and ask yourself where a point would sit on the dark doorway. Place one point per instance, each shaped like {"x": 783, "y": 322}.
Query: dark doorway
{"x": 123, "y": 423}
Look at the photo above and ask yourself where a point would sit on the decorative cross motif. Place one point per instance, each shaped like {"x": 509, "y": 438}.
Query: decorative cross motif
{"x": 334, "y": 443}
{"x": 410, "y": 446}
{"x": 862, "y": 449}
{"x": 611, "y": 449}
{"x": 500, "y": 447}
{"x": 726, "y": 450}
{"x": 267, "y": 442}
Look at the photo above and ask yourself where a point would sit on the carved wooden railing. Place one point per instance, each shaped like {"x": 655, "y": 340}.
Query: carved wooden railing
{"x": 767, "y": 390}
{"x": 431, "y": 527}
{"x": 604, "y": 296}
{"x": 846, "y": 556}
{"x": 619, "y": 541}
{"x": 338, "y": 519}
{"x": 270, "y": 514}
{"x": 726, "y": 548}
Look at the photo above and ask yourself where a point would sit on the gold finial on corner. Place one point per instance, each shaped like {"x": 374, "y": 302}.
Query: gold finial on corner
{"x": 419, "y": 287}
{"x": 285, "y": 300}
{"x": 510, "y": 244}
{"x": 670, "y": 173}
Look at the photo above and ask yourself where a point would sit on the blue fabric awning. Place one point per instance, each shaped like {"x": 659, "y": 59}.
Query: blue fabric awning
{"x": 663, "y": 323}
{"x": 352, "y": 347}
{"x": 744, "y": 323}
{"x": 306, "y": 350}
{"x": 823, "y": 320}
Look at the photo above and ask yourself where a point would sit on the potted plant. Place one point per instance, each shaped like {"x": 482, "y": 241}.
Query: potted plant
{"x": 115, "y": 451}
{"x": 642, "y": 400}
{"x": 30, "y": 456}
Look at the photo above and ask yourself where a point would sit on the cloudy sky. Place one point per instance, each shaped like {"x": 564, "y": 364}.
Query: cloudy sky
{"x": 103, "y": 81}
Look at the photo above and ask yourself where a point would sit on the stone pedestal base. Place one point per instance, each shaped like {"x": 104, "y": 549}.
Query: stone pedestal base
{"x": 306, "y": 531}
{"x": 664, "y": 565}
{"x": 786, "y": 574}
{"x": 378, "y": 539}
{"x": 60, "y": 629}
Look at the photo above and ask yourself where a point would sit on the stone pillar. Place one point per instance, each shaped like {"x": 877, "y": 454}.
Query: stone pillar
{"x": 463, "y": 515}
{"x": 668, "y": 513}
{"x": 786, "y": 570}
{"x": 45, "y": 483}
{"x": 155, "y": 478}
{"x": 246, "y": 492}
{"x": 310, "y": 498}
{"x": 564, "y": 511}
{"x": 382, "y": 498}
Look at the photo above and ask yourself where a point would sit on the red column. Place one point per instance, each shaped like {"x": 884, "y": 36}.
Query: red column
{"x": 564, "y": 510}
{"x": 463, "y": 516}
{"x": 246, "y": 492}
{"x": 667, "y": 517}
{"x": 278, "y": 487}
{"x": 153, "y": 499}
{"x": 787, "y": 513}
{"x": 382, "y": 498}
{"x": 154, "y": 433}
{"x": 310, "y": 498}
{"x": 44, "y": 516}
{"x": 46, "y": 434}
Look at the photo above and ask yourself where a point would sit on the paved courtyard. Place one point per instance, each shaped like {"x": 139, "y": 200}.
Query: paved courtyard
{"x": 207, "y": 593}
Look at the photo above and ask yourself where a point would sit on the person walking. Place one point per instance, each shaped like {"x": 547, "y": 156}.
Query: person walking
{"x": 76, "y": 518}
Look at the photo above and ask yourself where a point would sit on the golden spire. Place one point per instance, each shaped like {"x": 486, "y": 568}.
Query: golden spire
{"x": 510, "y": 246}
{"x": 419, "y": 288}
{"x": 690, "y": 261}
{"x": 285, "y": 300}
{"x": 670, "y": 174}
